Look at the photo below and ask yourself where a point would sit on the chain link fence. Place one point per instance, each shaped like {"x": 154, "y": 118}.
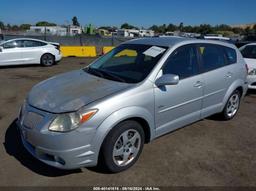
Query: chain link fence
{"x": 78, "y": 40}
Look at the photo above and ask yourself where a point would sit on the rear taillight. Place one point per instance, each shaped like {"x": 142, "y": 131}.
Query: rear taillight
{"x": 57, "y": 47}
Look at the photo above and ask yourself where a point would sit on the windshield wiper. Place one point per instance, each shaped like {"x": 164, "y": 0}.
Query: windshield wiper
{"x": 113, "y": 76}
{"x": 93, "y": 71}
{"x": 103, "y": 73}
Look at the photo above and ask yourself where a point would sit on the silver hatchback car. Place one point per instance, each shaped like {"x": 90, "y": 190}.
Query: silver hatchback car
{"x": 140, "y": 90}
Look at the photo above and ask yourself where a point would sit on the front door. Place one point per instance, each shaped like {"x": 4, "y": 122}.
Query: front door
{"x": 10, "y": 54}
{"x": 179, "y": 105}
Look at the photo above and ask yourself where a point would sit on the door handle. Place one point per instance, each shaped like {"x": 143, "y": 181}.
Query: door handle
{"x": 229, "y": 75}
{"x": 198, "y": 84}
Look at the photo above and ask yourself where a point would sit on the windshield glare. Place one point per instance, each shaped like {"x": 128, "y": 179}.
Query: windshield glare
{"x": 130, "y": 63}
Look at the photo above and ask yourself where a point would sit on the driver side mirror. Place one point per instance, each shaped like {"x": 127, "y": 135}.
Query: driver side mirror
{"x": 167, "y": 79}
{"x": 1, "y": 49}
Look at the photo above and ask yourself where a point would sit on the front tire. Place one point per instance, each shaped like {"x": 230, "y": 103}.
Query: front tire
{"x": 47, "y": 60}
{"x": 232, "y": 106}
{"x": 123, "y": 145}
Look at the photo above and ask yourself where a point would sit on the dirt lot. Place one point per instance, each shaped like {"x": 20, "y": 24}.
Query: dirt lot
{"x": 207, "y": 153}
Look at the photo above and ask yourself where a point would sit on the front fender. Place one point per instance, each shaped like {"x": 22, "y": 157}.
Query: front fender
{"x": 118, "y": 116}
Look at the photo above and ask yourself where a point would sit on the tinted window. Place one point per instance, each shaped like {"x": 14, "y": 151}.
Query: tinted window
{"x": 249, "y": 51}
{"x": 19, "y": 43}
{"x": 11, "y": 44}
{"x": 231, "y": 55}
{"x": 182, "y": 62}
{"x": 213, "y": 56}
{"x": 33, "y": 43}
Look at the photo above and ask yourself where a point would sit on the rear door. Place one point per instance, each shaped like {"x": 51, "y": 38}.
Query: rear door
{"x": 32, "y": 51}
{"x": 11, "y": 53}
{"x": 219, "y": 71}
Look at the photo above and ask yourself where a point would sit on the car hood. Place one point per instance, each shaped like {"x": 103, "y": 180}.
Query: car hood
{"x": 71, "y": 91}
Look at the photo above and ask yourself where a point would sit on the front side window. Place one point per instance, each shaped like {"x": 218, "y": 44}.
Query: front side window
{"x": 11, "y": 44}
{"x": 182, "y": 62}
{"x": 213, "y": 56}
{"x": 129, "y": 63}
{"x": 249, "y": 51}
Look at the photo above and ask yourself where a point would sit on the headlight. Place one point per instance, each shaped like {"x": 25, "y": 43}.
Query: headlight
{"x": 70, "y": 121}
{"x": 252, "y": 72}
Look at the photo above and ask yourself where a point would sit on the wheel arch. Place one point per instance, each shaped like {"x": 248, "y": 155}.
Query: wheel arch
{"x": 45, "y": 54}
{"x": 138, "y": 114}
{"x": 237, "y": 85}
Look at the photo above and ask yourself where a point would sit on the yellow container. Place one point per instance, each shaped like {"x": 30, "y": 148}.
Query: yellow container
{"x": 78, "y": 51}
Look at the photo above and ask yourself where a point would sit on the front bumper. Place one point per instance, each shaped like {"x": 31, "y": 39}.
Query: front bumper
{"x": 251, "y": 81}
{"x": 69, "y": 150}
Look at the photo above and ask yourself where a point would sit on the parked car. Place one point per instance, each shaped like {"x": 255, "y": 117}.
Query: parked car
{"x": 137, "y": 92}
{"x": 249, "y": 53}
{"x": 29, "y": 51}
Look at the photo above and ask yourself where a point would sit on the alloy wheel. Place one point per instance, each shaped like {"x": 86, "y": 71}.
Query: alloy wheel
{"x": 126, "y": 147}
{"x": 233, "y": 105}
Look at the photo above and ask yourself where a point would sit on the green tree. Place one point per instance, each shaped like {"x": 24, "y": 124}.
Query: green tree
{"x": 205, "y": 29}
{"x": 25, "y": 26}
{"x": 247, "y": 30}
{"x": 181, "y": 26}
{"x": 162, "y": 28}
{"x": 238, "y": 30}
{"x": 8, "y": 27}
{"x": 75, "y": 21}
{"x": 45, "y": 23}
{"x": 254, "y": 27}
{"x": 188, "y": 29}
{"x": 172, "y": 27}
{"x": 1, "y": 25}
{"x": 222, "y": 27}
{"x": 128, "y": 26}
{"x": 15, "y": 27}
{"x": 154, "y": 28}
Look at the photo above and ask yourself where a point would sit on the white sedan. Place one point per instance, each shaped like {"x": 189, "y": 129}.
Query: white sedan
{"x": 29, "y": 51}
{"x": 249, "y": 53}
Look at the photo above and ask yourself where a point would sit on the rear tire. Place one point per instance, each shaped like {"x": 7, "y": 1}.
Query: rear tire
{"x": 122, "y": 146}
{"x": 232, "y": 106}
{"x": 47, "y": 60}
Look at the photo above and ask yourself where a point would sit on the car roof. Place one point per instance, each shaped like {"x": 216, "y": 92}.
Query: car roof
{"x": 25, "y": 39}
{"x": 172, "y": 41}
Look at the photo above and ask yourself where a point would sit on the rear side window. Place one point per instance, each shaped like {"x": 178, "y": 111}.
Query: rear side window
{"x": 33, "y": 43}
{"x": 249, "y": 51}
{"x": 213, "y": 56}
{"x": 231, "y": 55}
{"x": 182, "y": 62}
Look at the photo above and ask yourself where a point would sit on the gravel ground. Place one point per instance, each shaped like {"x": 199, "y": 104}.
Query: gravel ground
{"x": 207, "y": 153}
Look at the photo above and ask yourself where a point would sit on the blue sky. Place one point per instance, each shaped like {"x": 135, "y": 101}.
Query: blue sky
{"x": 137, "y": 12}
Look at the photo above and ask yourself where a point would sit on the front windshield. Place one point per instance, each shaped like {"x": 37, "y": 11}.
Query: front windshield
{"x": 129, "y": 63}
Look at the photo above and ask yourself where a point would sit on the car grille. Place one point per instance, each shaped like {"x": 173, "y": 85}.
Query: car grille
{"x": 32, "y": 120}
